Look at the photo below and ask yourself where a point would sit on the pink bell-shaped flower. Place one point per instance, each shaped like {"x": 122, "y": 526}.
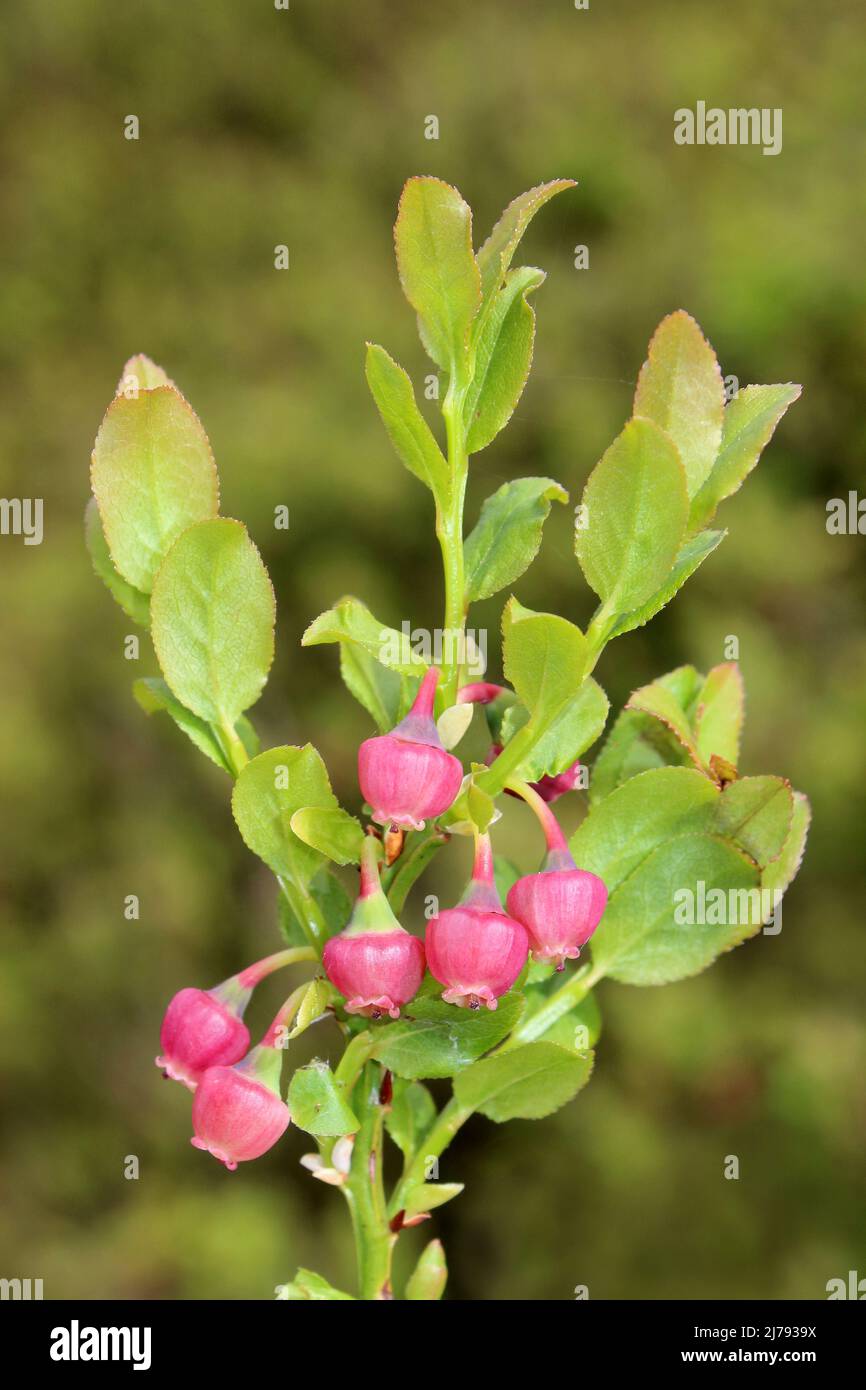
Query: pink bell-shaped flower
{"x": 373, "y": 962}
{"x": 475, "y": 949}
{"x": 407, "y": 776}
{"x": 561, "y": 906}
{"x": 237, "y": 1112}
{"x": 204, "y": 1028}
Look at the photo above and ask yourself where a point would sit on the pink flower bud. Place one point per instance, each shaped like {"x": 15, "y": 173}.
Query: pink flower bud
{"x": 198, "y": 1032}
{"x": 475, "y": 949}
{"x": 561, "y": 906}
{"x": 373, "y": 962}
{"x": 237, "y": 1112}
{"x": 236, "y": 1117}
{"x": 407, "y": 776}
{"x": 552, "y": 788}
{"x": 204, "y": 1028}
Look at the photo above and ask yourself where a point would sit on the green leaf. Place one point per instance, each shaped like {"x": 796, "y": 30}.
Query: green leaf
{"x": 750, "y": 420}
{"x": 507, "y": 536}
{"x": 317, "y": 1102}
{"x": 330, "y": 830}
{"x": 782, "y": 870}
{"x": 680, "y": 387}
{"x": 496, "y": 254}
{"x": 140, "y": 373}
{"x": 407, "y": 429}
{"x": 267, "y": 793}
{"x": 660, "y": 702}
{"x": 153, "y": 475}
{"x": 544, "y": 657}
{"x": 578, "y": 1028}
{"x": 635, "y": 508}
{"x": 134, "y": 603}
{"x": 756, "y": 813}
{"x": 633, "y": 746}
{"x": 503, "y": 357}
{"x": 718, "y": 721}
{"x": 383, "y": 693}
{"x": 410, "y": 1115}
{"x": 438, "y": 1039}
{"x": 310, "y": 1286}
{"x": 691, "y": 555}
{"x": 333, "y": 902}
{"x": 212, "y": 615}
{"x": 525, "y": 1083}
{"x": 426, "y": 1196}
{"x": 575, "y": 729}
{"x": 643, "y": 938}
{"x": 438, "y": 272}
{"x": 427, "y": 1281}
{"x": 153, "y": 694}
{"x": 624, "y": 829}
{"x": 352, "y": 622}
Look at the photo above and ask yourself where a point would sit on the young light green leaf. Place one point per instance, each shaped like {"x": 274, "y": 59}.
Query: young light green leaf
{"x": 525, "y": 1083}
{"x": 318, "y": 1104}
{"x": 437, "y": 1039}
{"x": 756, "y": 814}
{"x": 134, "y": 603}
{"x": 352, "y": 622}
{"x": 507, "y": 536}
{"x": 426, "y": 1196}
{"x": 407, "y": 429}
{"x": 575, "y": 729}
{"x": 544, "y": 658}
{"x": 660, "y": 702}
{"x": 330, "y": 830}
{"x": 718, "y": 721}
{"x": 427, "y": 1281}
{"x": 632, "y": 747}
{"x": 691, "y": 555}
{"x": 651, "y": 808}
{"x": 267, "y": 793}
{"x": 153, "y": 694}
{"x": 635, "y": 510}
{"x": 503, "y": 357}
{"x": 750, "y": 420}
{"x": 212, "y": 618}
{"x": 410, "y": 1114}
{"x": 496, "y": 254}
{"x": 141, "y": 373}
{"x": 383, "y": 693}
{"x": 680, "y": 387}
{"x": 438, "y": 272}
{"x": 153, "y": 475}
{"x": 688, "y": 901}
{"x": 311, "y": 1287}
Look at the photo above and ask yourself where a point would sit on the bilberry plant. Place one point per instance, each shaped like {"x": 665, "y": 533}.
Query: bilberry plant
{"x": 500, "y": 995}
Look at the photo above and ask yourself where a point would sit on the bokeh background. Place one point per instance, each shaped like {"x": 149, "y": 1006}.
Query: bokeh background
{"x": 260, "y": 127}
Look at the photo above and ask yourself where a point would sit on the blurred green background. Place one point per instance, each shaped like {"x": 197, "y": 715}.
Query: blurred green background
{"x": 261, "y": 127}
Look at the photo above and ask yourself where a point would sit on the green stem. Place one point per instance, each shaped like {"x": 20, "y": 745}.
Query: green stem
{"x": 410, "y": 867}
{"x": 560, "y": 1003}
{"x": 306, "y": 910}
{"x": 449, "y": 530}
{"x": 232, "y": 746}
{"x": 365, "y": 1193}
{"x": 434, "y": 1143}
